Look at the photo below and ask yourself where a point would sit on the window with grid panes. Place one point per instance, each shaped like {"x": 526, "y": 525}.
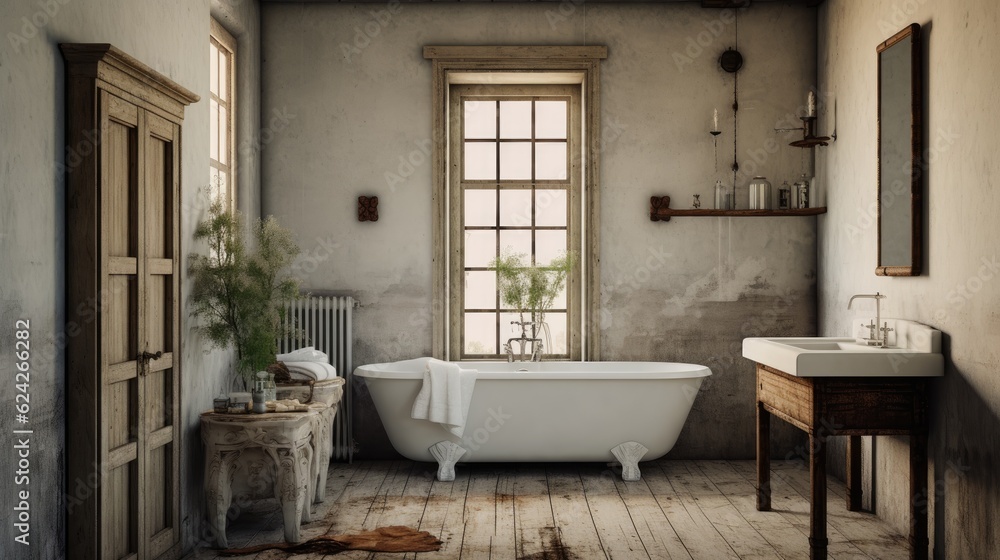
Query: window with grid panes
{"x": 519, "y": 182}
{"x": 222, "y": 114}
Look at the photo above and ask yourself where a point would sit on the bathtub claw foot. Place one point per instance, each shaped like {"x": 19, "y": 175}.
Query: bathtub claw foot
{"x": 447, "y": 454}
{"x": 629, "y": 454}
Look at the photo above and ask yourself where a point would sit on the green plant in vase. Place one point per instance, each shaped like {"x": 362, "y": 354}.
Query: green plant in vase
{"x": 239, "y": 288}
{"x": 531, "y": 289}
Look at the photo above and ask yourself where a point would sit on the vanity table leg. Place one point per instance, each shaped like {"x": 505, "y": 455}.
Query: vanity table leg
{"x": 854, "y": 473}
{"x": 918, "y": 496}
{"x": 290, "y": 493}
{"x": 218, "y": 494}
{"x": 817, "y": 505}
{"x": 325, "y": 450}
{"x": 307, "y": 468}
{"x": 763, "y": 458}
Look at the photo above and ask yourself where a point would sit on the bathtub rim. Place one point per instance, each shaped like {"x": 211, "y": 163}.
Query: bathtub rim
{"x": 613, "y": 371}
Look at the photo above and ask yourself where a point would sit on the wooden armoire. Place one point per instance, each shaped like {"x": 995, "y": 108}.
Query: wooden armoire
{"x": 123, "y": 409}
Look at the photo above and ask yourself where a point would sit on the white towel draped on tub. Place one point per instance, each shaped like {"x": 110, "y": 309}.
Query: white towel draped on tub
{"x": 446, "y": 395}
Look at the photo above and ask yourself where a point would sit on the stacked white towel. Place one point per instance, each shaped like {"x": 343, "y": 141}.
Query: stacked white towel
{"x": 446, "y": 395}
{"x": 307, "y": 354}
{"x": 308, "y": 363}
{"x": 317, "y": 371}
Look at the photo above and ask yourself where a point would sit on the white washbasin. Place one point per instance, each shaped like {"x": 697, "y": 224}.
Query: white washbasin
{"x": 914, "y": 351}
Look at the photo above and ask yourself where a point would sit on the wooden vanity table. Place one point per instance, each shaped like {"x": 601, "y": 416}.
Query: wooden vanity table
{"x": 845, "y": 406}
{"x": 260, "y": 455}
{"x": 284, "y": 455}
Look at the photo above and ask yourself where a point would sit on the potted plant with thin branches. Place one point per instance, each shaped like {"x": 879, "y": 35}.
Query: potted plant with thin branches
{"x": 239, "y": 288}
{"x": 531, "y": 289}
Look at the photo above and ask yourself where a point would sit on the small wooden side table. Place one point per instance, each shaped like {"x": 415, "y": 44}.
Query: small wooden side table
{"x": 844, "y": 406}
{"x": 262, "y": 455}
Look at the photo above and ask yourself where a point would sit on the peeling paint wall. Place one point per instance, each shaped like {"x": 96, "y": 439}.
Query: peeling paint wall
{"x": 356, "y": 93}
{"x": 172, "y": 38}
{"x": 958, "y": 292}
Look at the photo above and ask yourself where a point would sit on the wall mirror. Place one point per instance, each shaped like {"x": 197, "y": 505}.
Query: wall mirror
{"x": 899, "y": 154}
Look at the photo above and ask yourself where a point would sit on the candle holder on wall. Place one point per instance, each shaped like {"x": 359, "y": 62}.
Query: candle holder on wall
{"x": 367, "y": 208}
{"x": 715, "y": 144}
{"x": 809, "y": 138}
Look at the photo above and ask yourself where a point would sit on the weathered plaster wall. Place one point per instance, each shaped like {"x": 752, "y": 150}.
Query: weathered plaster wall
{"x": 208, "y": 369}
{"x": 355, "y": 95}
{"x": 173, "y": 39}
{"x": 958, "y": 291}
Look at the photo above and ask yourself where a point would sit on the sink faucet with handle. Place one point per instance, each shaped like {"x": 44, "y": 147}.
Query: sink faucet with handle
{"x": 879, "y": 335}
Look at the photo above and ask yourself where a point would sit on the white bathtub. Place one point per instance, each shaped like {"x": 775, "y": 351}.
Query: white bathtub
{"x": 548, "y": 411}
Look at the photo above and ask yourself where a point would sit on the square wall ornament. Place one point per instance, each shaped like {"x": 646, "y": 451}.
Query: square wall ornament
{"x": 367, "y": 208}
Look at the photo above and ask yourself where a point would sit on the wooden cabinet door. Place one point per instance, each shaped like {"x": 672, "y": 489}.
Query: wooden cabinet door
{"x": 140, "y": 391}
{"x": 119, "y": 380}
{"x": 123, "y": 401}
{"x": 159, "y": 333}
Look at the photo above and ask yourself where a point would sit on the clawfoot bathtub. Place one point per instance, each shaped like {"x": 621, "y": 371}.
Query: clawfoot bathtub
{"x": 548, "y": 411}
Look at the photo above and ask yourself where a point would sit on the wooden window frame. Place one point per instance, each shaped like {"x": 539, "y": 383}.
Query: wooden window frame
{"x": 223, "y": 40}
{"x": 523, "y": 65}
{"x": 459, "y": 185}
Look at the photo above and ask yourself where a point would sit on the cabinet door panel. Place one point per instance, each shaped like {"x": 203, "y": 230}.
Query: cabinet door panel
{"x": 159, "y": 496}
{"x": 120, "y": 509}
{"x": 121, "y": 398}
{"x": 159, "y": 180}
{"x": 159, "y": 386}
{"x": 159, "y": 312}
{"x": 120, "y": 146}
{"x": 120, "y": 313}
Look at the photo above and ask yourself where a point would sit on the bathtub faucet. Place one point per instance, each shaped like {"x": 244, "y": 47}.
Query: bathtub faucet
{"x": 536, "y": 343}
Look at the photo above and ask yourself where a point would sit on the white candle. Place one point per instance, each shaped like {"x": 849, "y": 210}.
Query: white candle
{"x": 812, "y": 105}
{"x": 715, "y": 121}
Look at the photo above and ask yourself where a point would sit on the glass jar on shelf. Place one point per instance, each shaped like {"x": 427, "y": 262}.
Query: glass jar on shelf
{"x": 760, "y": 193}
{"x": 784, "y": 196}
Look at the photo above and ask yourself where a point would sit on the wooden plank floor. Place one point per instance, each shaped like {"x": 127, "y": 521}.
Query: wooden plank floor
{"x": 680, "y": 509}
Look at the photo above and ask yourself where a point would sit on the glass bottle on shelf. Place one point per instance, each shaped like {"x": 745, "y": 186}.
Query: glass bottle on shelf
{"x": 721, "y": 196}
{"x": 802, "y": 192}
{"x": 784, "y": 196}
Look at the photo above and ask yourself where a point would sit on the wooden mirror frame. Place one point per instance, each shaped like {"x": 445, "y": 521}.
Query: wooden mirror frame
{"x": 911, "y": 33}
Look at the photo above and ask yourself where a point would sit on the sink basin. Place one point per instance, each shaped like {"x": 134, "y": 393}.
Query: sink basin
{"x": 918, "y": 354}
{"x": 829, "y": 344}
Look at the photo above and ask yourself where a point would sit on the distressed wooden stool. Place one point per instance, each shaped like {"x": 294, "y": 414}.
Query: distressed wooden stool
{"x": 257, "y": 456}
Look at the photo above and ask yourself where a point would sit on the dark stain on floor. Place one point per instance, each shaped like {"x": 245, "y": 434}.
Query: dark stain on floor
{"x": 552, "y": 547}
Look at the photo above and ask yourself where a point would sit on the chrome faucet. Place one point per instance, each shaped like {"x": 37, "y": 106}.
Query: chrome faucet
{"x": 536, "y": 343}
{"x": 537, "y": 349}
{"x": 878, "y": 336}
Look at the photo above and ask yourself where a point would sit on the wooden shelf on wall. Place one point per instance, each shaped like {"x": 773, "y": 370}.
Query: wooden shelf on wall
{"x": 660, "y": 211}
